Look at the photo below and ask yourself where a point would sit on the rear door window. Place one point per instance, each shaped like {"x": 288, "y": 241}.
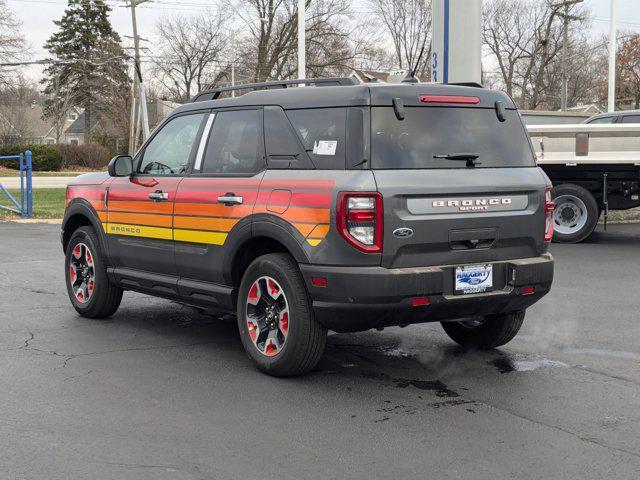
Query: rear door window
{"x": 602, "y": 120}
{"x": 234, "y": 143}
{"x": 322, "y": 133}
{"x": 429, "y": 132}
{"x": 631, "y": 119}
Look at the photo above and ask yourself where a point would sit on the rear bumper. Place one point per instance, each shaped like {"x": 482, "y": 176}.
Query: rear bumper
{"x": 360, "y": 298}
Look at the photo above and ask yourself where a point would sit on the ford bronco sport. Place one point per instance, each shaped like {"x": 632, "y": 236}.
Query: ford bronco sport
{"x": 338, "y": 206}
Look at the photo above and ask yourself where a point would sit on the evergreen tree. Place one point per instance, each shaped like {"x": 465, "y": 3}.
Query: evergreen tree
{"x": 89, "y": 64}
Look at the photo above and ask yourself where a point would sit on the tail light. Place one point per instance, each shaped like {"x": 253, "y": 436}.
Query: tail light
{"x": 359, "y": 220}
{"x": 549, "y": 206}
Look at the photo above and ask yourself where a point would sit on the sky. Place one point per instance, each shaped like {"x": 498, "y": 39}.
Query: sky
{"x": 37, "y": 18}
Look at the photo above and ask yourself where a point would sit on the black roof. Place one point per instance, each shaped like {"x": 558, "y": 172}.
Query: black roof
{"x": 617, "y": 113}
{"x": 370, "y": 94}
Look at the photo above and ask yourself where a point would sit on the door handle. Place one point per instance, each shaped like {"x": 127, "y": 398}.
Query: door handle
{"x": 230, "y": 199}
{"x": 159, "y": 196}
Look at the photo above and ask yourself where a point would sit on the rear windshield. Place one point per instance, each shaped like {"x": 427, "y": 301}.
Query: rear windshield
{"x": 429, "y": 131}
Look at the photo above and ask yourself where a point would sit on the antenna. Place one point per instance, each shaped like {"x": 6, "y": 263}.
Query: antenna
{"x": 410, "y": 77}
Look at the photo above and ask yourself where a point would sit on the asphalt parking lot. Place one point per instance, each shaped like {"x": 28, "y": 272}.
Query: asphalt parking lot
{"x": 161, "y": 391}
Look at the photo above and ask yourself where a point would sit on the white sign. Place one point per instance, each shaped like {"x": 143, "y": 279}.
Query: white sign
{"x": 457, "y": 41}
{"x": 325, "y": 147}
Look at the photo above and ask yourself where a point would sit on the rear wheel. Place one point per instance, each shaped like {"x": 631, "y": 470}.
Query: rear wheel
{"x": 278, "y": 329}
{"x": 485, "y": 332}
{"x": 576, "y": 213}
{"x": 89, "y": 289}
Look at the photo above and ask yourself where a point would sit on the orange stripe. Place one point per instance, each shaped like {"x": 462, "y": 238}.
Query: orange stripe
{"x": 213, "y": 209}
{"x": 142, "y": 207}
{"x": 102, "y": 216}
{"x": 297, "y": 214}
{"x": 320, "y": 231}
{"x": 140, "y": 219}
{"x": 304, "y": 228}
{"x": 205, "y": 223}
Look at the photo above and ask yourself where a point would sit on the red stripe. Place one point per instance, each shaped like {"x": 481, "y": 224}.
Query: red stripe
{"x": 196, "y": 183}
{"x": 292, "y": 184}
{"x": 211, "y": 196}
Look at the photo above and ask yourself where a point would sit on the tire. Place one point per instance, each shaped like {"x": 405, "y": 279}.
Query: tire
{"x": 576, "y": 213}
{"x": 92, "y": 300}
{"x": 274, "y": 280}
{"x": 492, "y": 331}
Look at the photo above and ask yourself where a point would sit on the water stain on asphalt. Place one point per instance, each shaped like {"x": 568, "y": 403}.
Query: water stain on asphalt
{"x": 440, "y": 389}
{"x": 506, "y": 364}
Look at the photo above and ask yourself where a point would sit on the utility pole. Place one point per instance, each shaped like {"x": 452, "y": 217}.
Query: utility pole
{"x": 302, "y": 61}
{"x": 611, "y": 96}
{"x": 565, "y": 40}
{"x": 233, "y": 62}
{"x": 137, "y": 71}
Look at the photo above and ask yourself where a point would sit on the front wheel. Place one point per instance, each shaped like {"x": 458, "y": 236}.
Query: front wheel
{"x": 277, "y": 326}
{"x": 89, "y": 288}
{"x": 485, "y": 332}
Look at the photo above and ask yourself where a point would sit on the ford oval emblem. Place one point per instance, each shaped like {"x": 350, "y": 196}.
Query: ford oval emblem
{"x": 403, "y": 232}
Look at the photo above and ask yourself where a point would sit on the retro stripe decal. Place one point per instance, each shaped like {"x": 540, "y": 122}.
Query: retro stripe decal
{"x": 194, "y": 215}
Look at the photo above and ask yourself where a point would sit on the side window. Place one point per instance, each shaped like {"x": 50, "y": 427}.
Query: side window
{"x": 284, "y": 150}
{"x": 602, "y": 120}
{"x": 631, "y": 119}
{"x": 169, "y": 150}
{"x": 234, "y": 143}
{"x": 322, "y": 132}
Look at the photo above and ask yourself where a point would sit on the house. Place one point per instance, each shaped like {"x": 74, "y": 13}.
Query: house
{"x": 157, "y": 110}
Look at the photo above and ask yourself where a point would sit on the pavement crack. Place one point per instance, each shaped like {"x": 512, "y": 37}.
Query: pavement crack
{"x": 591, "y": 440}
{"x": 28, "y": 340}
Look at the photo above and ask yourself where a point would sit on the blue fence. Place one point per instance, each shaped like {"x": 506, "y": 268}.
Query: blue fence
{"x": 24, "y": 208}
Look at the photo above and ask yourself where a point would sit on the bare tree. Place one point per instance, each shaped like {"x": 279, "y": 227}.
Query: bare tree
{"x": 60, "y": 101}
{"x": 524, "y": 38}
{"x": 16, "y": 99}
{"x": 269, "y": 49}
{"x": 12, "y": 43}
{"x": 408, "y": 23}
{"x": 189, "y": 53}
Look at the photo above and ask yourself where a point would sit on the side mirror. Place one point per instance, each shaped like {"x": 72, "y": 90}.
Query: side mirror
{"x": 120, "y": 166}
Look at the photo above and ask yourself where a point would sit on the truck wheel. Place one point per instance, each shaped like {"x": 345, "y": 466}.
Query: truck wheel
{"x": 90, "y": 291}
{"x": 576, "y": 213}
{"x": 278, "y": 329}
{"x": 485, "y": 332}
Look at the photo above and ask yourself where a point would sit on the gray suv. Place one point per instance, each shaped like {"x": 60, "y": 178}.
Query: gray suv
{"x": 337, "y": 206}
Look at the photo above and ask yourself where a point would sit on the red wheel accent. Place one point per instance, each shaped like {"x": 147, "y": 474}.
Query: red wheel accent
{"x": 271, "y": 349}
{"x": 72, "y": 274}
{"x": 252, "y": 328}
{"x": 254, "y": 293}
{"x": 89, "y": 258}
{"x": 274, "y": 288}
{"x": 77, "y": 251}
{"x": 284, "y": 322}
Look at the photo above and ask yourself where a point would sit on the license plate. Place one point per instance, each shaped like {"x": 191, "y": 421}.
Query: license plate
{"x": 473, "y": 279}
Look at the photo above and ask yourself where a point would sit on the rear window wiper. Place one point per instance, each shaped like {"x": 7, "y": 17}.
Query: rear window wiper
{"x": 470, "y": 158}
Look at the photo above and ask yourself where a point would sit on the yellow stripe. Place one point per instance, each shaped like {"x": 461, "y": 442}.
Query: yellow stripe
{"x": 314, "y": 242}
{"x": 139, "y": 231}
{"x": 196, "y": 236}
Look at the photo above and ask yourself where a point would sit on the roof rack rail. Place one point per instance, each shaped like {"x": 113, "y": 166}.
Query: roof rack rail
{"x": 214, "y": 93}
{"x": 467, "y": 84}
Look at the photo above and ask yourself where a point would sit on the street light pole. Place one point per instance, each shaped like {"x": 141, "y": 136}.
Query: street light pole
{"x": 611, "y": 100}
{"x": 301, "y": 40}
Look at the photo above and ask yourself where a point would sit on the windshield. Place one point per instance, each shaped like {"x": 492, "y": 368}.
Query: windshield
{"x": 448, "y": 131}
